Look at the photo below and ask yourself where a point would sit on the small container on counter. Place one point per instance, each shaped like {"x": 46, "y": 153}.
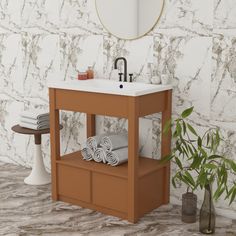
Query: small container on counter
{"x": 90, "y": 72}
{"x": 82, "y": 76}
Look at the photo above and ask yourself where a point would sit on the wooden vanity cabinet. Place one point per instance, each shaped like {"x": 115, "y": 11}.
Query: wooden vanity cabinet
{"x": 127, "y": 191}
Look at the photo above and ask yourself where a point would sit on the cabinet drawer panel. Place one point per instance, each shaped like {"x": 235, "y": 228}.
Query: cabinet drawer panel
{"x": 151, "y": 191}
{"x": 110, "y": 192}
{"x": 74, "y": 183}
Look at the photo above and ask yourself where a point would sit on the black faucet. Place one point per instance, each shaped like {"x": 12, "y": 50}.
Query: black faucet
{"x": 125, "y": 66}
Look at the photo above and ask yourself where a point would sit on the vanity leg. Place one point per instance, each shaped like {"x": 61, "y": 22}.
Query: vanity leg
{"x": 166, "y": 146}
{"x": 55, "y": 141}
{"x": 91, "y": 125}
{"x": 133, "y": 160}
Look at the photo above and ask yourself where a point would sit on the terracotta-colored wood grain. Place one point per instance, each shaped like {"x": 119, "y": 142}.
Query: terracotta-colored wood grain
{"x": 54, "y": 140}
{"x": 79, "y": 182}
{"x": 91, "y": 125}
{"x": 110, "y": 192}
{"x": 102, "y": 209}
{"x": 92, "y": 103}
{"x": 166, "y": 143}
{"x": 146, "y": 166}
{"x": 127, "y": 191}
{"x": 133, "y": 159}
{"x": 151, "y": 103}
{"x": 150, "y": 194}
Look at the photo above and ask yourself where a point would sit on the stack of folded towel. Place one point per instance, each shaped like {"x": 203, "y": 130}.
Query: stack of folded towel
{"x": 34, "y": 119}
{"x": 107, "y": 148}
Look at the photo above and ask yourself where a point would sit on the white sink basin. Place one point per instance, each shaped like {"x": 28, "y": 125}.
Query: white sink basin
{"x": 109, "y": 87}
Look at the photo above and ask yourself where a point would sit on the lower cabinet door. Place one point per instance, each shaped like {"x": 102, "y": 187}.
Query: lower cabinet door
{"x": 74, "y": 183}
{"x": 109, "y": 191}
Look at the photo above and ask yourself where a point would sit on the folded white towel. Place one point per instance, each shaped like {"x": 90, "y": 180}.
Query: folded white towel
{"x": 35, "y": 114}
{"x": 117, "y": 157}
{"x": 32, "y": 126}
{"x": 99, "y": 155}
{"x": 114, "y": 141}
{"x": 87, "y": 154}
{"x": 33, "y": 121}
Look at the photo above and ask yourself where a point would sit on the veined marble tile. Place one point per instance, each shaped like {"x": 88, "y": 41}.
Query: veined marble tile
{"x": 187, "y": 61}
{"x": 189, "y": 17}
{"x": 228, "y": 148}
{"x": 79, "y": 17}
{"x": 12, "y": 148}
{"x": 73, "y": 134}
{"x": 10, "y": 16}
{"x": 225, "y": 17}
{"x": 137, "y": 52}
{"x": 156, "y": 139}
{"x": 41, "y": 63}
{"x": 40, "y": 16}
{"x": 223, "y": 86}
{"x": 119, "y": 125}
{"x": 11, "y": 66}
{"x": 145, "y": 138}
{"x": 29, "y": 210}
{"x": 78, "y": 52}
{"x": 113, "y": 124}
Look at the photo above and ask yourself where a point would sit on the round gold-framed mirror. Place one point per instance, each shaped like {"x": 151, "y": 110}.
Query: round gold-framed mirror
{"x": 129, "y": 19}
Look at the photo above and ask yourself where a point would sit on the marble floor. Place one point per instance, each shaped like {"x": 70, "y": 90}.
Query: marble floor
{"x": 28, "y": 210}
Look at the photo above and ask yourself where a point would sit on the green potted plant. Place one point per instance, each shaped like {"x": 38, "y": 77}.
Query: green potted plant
{"x": 200, "y": 165}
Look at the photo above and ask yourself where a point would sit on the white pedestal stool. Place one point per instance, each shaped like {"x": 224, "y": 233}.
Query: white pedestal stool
{"x": 38, "y": 175}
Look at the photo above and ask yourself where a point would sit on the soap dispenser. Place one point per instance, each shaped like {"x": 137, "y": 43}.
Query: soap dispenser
{"x": 90, "y": 72}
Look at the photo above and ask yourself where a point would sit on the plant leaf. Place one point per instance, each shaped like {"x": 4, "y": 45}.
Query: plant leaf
{"x": 208, "y": 138}
{"x": 210, "y": 166}
{"x": 184, "y": 127}
{"x": 166, "y": 158}
{"x": 187, "y": 112}
{"x": 229, "y": 193}
{"x": 203, "y": 152}
{"x": 178, "y": 146}
{"x": 202, "y": 177}
{"x": 212, "y": 157}
{"x": 233, "y": 195}
{"x": 189, "y": 178}
{"x": 196, "y": 162}
{"x": 167, "y": 126}
{"x": 173, "y": 182}
{"x": 178, "y": 128}
{"x": 199, "y": 142}
{"x": 219, "y": 192}
{"x": 178, "y": 162}
{"x": 232, "y": 164}
{"x": 191, "y": 129}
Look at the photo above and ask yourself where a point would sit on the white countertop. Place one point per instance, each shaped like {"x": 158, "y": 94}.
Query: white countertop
{"x": 109, "y": 87}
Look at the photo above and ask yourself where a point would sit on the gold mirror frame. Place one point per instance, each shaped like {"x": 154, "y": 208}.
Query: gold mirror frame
{"x": 163, "y": 4}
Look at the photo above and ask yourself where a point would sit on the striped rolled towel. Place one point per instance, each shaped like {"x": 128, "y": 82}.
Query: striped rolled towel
{"x": 114, "y": 141}
{"x": 99, "y": 155}
{"x": 87, "y": 154}
{"x": 93, "y": 142}
{"x": 117, "y": 157}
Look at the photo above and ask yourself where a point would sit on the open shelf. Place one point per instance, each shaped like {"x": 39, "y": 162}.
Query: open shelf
{"x": 146, "y": 165}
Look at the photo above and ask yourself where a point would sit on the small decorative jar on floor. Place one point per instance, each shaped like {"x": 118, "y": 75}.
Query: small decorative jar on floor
{"x": 189, "y": 207}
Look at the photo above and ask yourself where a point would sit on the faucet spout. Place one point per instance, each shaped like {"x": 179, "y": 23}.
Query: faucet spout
{"x": 125, "y": 66}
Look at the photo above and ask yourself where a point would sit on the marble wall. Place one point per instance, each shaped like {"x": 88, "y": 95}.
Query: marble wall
{"x": 42, "y": 40}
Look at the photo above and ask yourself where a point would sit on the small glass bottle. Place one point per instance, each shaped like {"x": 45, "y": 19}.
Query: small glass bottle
{"x": 90, "y": 72}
